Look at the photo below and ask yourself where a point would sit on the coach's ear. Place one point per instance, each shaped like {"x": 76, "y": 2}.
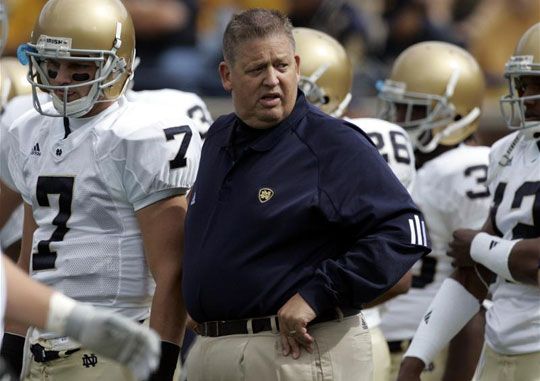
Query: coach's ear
{"x": 225, "y": 74}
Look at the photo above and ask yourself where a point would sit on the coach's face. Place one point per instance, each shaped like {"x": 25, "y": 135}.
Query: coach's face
{"x": 263, "y": 80}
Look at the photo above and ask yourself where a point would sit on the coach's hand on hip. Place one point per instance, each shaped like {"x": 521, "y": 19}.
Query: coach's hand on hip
{"x": 294, "y": 317}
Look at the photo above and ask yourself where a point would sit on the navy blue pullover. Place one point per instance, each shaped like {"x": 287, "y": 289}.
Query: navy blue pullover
{"x": 309, "y": 207}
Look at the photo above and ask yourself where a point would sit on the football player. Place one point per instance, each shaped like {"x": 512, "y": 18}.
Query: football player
{"x": 435, "y": 92}
{"x": 395, "y": 146}
{"x": 326, "y": 79}
{"x": 507, "y": 246}
{"x": 103, "y": 182}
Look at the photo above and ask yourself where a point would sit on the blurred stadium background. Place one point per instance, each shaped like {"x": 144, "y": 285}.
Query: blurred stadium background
{"x": 179, "y": 41}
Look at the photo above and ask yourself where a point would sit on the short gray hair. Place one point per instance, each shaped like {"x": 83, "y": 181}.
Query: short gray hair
{"x": 252, "y": 24}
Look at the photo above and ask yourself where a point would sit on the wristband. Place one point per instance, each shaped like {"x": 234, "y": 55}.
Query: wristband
{"x": 13, "y": 351}
{"x": 493, "y": 252}
{"x": 167, "y": 362}
{"x": 60, "y": 307}
{"x": 442, "y": 320}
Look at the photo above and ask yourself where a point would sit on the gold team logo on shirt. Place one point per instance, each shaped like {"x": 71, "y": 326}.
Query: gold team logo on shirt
{"x": 265, "y": 194}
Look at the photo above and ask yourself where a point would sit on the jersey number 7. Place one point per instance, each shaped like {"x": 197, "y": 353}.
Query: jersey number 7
{"x": 179, "y": 160}
{"x": 45, "y": 259}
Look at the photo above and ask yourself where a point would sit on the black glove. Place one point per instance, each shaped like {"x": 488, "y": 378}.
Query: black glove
{"x": 167, "y": 362}
{"x": 13, "y": 351}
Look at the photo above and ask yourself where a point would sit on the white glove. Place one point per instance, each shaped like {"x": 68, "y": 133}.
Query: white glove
{"x": 116, "y": 337}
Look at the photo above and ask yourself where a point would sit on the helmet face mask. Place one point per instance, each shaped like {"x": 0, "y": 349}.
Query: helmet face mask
{"x": 521, "y": 71}
{"x": 110, "y": 68}
{"x": 434, "y": 92}
{"x": 314, "y": 93}
{"x": 419, "y": 114}
{"x": 325, "y": 71}
{"x": 513, "y": 105}
{"x": 99, "y": 32}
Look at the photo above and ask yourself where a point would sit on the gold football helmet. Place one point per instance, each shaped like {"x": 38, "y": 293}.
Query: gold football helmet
{"x": 439, "y": 88}
{"x": 325, "y": 70}
{"x": 524, "y": 62}
{"x": 98, "y": 31}
{"x": 13, "y": 81}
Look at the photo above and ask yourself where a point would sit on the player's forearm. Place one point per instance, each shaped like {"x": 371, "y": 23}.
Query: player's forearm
{"x": 27, "y": 300}
{"x": 442, "y": 321}
{"x": 514, "y": 260}
{"x": 461, "y": 364}
{"x": 162, "y": 228}
{"x": 524, "y": 259}
{"x": 168, "y": 318}
{"x": 168, "y": 314}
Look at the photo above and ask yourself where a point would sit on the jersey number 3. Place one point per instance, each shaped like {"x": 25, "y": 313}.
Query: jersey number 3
{"x": 45, "y": 259}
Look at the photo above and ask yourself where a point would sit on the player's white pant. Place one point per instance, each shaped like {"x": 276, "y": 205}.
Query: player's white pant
{"x": 496, "y": 367}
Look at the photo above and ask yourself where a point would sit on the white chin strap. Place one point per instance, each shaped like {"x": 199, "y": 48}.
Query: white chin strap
{"x": 450, "y": 129}
{"x": 506, "y": 160}
{"x": 76, "y": 108}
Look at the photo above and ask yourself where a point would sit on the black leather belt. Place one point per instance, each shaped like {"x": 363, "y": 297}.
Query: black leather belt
{"x": 398, "y": 345}
{"x": 242, "y": 326}
{"x": 42, "y": 355}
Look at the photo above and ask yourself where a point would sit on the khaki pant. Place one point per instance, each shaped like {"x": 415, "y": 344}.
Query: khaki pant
{"x": 495, "y": 367}
{"x": 341, "y": 352}
{"x": 82, "y": 365}
{"x": 381, "y": 355}
{"x": 433, "y": 372}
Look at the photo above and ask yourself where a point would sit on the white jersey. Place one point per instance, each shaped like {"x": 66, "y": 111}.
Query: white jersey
{"x": 513, "y": 322}
{"x": 396, "y": 148}
{"x": 451, "y": 192}
{"x": 85, "y": 188}
{"x": 185, "y": 103}
{"x": 11, "y": 232}
{"x": 393, "y": 144}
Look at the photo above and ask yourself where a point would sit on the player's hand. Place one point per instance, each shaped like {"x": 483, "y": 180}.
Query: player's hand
{"x": 460, "y": 247}
{"x": 294, "y": 317}
{"x": 133, "y": 345}
{"x": 410, "y": 369}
